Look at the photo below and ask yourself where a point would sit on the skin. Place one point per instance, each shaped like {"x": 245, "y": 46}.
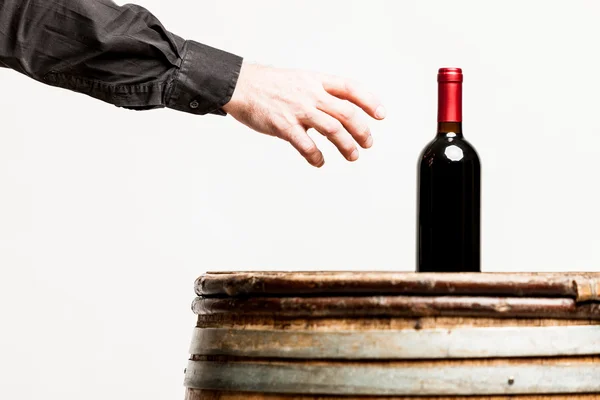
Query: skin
{"x": 286, "y": 103}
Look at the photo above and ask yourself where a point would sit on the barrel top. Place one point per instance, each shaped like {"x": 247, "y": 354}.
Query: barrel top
{"x": 582, "y": 287}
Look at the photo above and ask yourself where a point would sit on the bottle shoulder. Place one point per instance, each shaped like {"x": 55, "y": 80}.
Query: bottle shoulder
{"x": 449, "y": 149}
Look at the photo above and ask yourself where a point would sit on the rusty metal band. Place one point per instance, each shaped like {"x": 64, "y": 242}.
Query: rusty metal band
{"x": 496, "y": 342}
{"x": 580, "y": 286}
{"x": 203, "y": 394}
{"x": 404, "y": 380}
{"x": 399, "y": 306}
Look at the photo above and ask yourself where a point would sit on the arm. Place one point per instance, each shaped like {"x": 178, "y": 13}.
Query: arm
{"x": 124, "y": 56}
{"x": 118, "y": 54}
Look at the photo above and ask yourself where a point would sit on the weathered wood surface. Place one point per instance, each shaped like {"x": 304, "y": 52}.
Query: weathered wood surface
{"x": 195, "y": 394}
{"x": 579, "y": 286}
{"x": 406, "y": 306}
{"x": 335, "y": 336}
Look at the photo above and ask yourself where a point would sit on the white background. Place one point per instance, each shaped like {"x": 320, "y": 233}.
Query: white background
{"x": 107, "y": 216}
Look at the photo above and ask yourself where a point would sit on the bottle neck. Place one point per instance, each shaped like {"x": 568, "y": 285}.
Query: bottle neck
{"x": 450, "y": 101}
{"x": 449, "y": 129}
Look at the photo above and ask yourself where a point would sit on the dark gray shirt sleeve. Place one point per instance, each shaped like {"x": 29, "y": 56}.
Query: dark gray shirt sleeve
{"x": 119, "y": 54}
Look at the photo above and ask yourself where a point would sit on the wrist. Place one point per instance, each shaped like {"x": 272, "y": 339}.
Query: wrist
{"x": 237, "y": 98}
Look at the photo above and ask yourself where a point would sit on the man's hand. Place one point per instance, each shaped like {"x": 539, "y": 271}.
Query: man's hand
{"x": 286, "y": 103}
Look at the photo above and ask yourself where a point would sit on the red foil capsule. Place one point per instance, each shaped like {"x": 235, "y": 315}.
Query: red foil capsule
{"x": 450, "y": 95}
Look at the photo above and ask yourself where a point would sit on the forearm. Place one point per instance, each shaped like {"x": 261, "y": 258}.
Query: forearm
{"x": 119, "y": 54}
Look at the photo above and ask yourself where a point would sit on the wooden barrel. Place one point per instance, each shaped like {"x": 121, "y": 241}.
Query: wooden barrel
{"x": 376, "y": 335}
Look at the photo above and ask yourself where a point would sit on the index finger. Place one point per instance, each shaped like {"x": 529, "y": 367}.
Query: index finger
{"x": 355, "y": 93}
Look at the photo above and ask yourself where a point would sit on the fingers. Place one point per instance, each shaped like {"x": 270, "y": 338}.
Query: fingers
{"x": 348, "y": 115}
{"x": 355, "y": 93}
{"x": 333, "y": 130}
{"x": 306, "y": 146}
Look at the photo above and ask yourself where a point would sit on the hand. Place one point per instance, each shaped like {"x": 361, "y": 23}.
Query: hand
{"x": 286, "y": 103}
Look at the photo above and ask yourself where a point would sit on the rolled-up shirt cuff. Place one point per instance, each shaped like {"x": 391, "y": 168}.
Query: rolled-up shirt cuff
{"x": 205, "y": 81}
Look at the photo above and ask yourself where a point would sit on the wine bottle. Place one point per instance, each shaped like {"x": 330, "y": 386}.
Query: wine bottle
{"x": 449, "y": 189}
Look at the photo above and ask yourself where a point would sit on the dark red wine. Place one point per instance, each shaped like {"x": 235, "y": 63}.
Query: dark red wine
{"x": 449, "y": 189}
